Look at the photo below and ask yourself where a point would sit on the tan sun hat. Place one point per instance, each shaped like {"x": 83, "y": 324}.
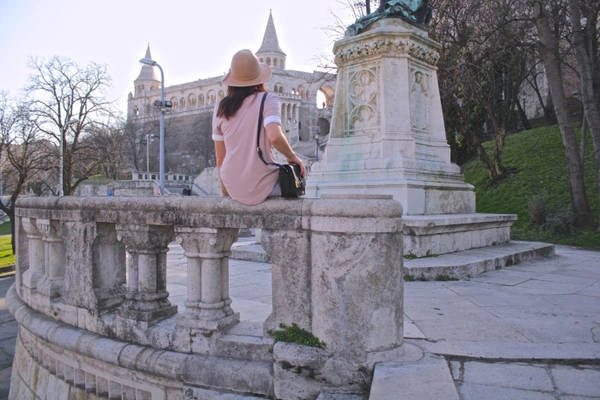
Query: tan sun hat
{"x": 246, "y": 70}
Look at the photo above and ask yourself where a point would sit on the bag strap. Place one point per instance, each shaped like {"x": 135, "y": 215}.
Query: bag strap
{"x": 258, "y": 129}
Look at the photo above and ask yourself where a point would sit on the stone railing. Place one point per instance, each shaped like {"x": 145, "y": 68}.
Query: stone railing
{"x": 94, "y": 269}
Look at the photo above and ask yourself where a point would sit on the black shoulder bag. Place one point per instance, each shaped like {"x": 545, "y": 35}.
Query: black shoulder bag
{"x": 291, "y": 182}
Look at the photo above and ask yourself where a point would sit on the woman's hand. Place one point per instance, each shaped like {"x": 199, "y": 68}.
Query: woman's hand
{"x": 296, "y": 160}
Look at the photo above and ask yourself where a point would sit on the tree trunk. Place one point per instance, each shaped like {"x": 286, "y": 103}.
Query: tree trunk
{"x": 591, "y": 110}
{"x": 523, "y": 116}
{"x": 496, "y": 168}
{"x": 549, "y": 50}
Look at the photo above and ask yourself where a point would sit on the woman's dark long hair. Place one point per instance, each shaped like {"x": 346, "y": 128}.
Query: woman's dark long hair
{"x": 235, "y": 97}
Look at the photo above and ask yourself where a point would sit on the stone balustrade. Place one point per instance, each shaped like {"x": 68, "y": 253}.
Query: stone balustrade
{"x": 95, "y": 269}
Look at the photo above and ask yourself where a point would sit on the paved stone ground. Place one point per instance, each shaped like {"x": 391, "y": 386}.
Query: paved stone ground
{"x": 531, "y": 331}
{"x": 8, "y": 337}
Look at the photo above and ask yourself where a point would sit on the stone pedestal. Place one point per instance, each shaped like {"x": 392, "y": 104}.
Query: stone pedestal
{"x": 388, "y": 136}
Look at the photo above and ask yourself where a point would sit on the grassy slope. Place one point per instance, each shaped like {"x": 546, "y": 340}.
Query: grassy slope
{"x": 538, "y": 160}
{"x": 6, "y": 255}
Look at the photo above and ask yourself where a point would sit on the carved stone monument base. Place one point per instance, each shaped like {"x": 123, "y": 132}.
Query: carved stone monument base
{"x": 388, "y": 138}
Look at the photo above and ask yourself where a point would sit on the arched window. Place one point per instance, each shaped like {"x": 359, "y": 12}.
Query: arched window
{"x": 200, "y": 99}
{"x": 191, "y": 100}
{"x": 211, "y": 97}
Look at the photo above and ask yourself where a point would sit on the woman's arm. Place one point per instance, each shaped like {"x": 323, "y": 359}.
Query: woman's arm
{"x": 280, "y": 142}
{"x": 220, "y": 156}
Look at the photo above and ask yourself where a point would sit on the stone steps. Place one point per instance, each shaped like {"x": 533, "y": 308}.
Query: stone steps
{"x": 460, "y": 265}
{"x": 469, "y": 263}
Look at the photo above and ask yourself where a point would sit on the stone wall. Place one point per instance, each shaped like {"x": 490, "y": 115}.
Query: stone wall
{"x": 95, "y": 318}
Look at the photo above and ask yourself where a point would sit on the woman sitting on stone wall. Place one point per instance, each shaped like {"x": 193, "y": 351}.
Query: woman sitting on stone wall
{"x": 243, "y": 175}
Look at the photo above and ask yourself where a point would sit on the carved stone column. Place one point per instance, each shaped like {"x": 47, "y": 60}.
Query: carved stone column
{"x": 35, "y": 246}
{"x": 54, "y": 258}
{"x": 146, "y": 297}
{"x": 208, "y": 305}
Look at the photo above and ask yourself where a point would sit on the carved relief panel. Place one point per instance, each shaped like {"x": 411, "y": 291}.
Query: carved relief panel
{"x": 420, "y": 93}
{"x": 363, "y": 108}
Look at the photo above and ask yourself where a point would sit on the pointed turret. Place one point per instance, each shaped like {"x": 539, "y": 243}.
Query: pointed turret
{"x": 148, "y": 78}
{"x": 270, "y": 53}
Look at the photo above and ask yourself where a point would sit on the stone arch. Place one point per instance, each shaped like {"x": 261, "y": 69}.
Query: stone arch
{"x": 191, "y": 100}
{"x": 201, "y": 99}
{"x": 174, "y": 102}
{"x": 327, "y": 94}
{"x": 211, "y": 97}
{"x": 324, "y": 126}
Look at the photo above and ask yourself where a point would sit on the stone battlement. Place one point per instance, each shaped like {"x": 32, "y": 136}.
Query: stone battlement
{"x": 93, "y": 310}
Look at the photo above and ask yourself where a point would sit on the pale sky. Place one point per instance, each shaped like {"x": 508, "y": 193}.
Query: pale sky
{"x": 190, "y": 39}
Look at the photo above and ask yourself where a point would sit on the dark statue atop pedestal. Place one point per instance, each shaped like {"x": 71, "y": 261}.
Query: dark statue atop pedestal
{"x": 417, "y": 12}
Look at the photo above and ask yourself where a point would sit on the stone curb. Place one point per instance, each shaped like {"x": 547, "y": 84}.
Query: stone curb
{"x": 521, "y": 352}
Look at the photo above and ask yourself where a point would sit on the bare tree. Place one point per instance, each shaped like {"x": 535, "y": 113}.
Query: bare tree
{"x": 67, "y": 102}
{"x": 584, "y": 22}
{"x": 106, "y": 147}
{"x": 549, "y": 42}
{"x": 482, "y": 68}
{"x": 22, "y": 155}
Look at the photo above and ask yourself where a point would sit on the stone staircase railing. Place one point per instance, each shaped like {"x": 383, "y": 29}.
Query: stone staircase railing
{"x": 95, "y": 267}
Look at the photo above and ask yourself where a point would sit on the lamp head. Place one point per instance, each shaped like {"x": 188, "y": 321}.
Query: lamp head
{"x": 148, "y": 61}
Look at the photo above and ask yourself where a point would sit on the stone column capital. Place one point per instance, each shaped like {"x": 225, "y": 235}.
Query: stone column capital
{"x": 145, "y": 237}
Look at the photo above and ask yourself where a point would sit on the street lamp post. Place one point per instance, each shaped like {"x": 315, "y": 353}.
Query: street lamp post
{"x": 161, "y": 172}
{"x": 62, "y": 156}
{"x": 148, "y": 154}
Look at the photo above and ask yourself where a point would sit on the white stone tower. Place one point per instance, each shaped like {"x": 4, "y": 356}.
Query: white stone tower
{"x": 148, "y": 80}
{"x": 270, "y": 53}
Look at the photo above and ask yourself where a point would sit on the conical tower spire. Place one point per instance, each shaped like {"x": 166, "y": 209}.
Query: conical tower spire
{"x": 270, "y": 52}
{"x": 148, "y": 78}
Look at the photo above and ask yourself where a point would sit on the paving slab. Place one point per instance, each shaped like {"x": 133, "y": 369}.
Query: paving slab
{"x": 581, "y": 381}
{"x": 425, "y": 379}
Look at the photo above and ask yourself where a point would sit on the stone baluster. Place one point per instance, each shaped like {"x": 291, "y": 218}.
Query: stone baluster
{"x": 208, "y": 305}
{"x": 35, "y": 247}
{"x": 146, "y": 297}
{"x": 54, "y": 258}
